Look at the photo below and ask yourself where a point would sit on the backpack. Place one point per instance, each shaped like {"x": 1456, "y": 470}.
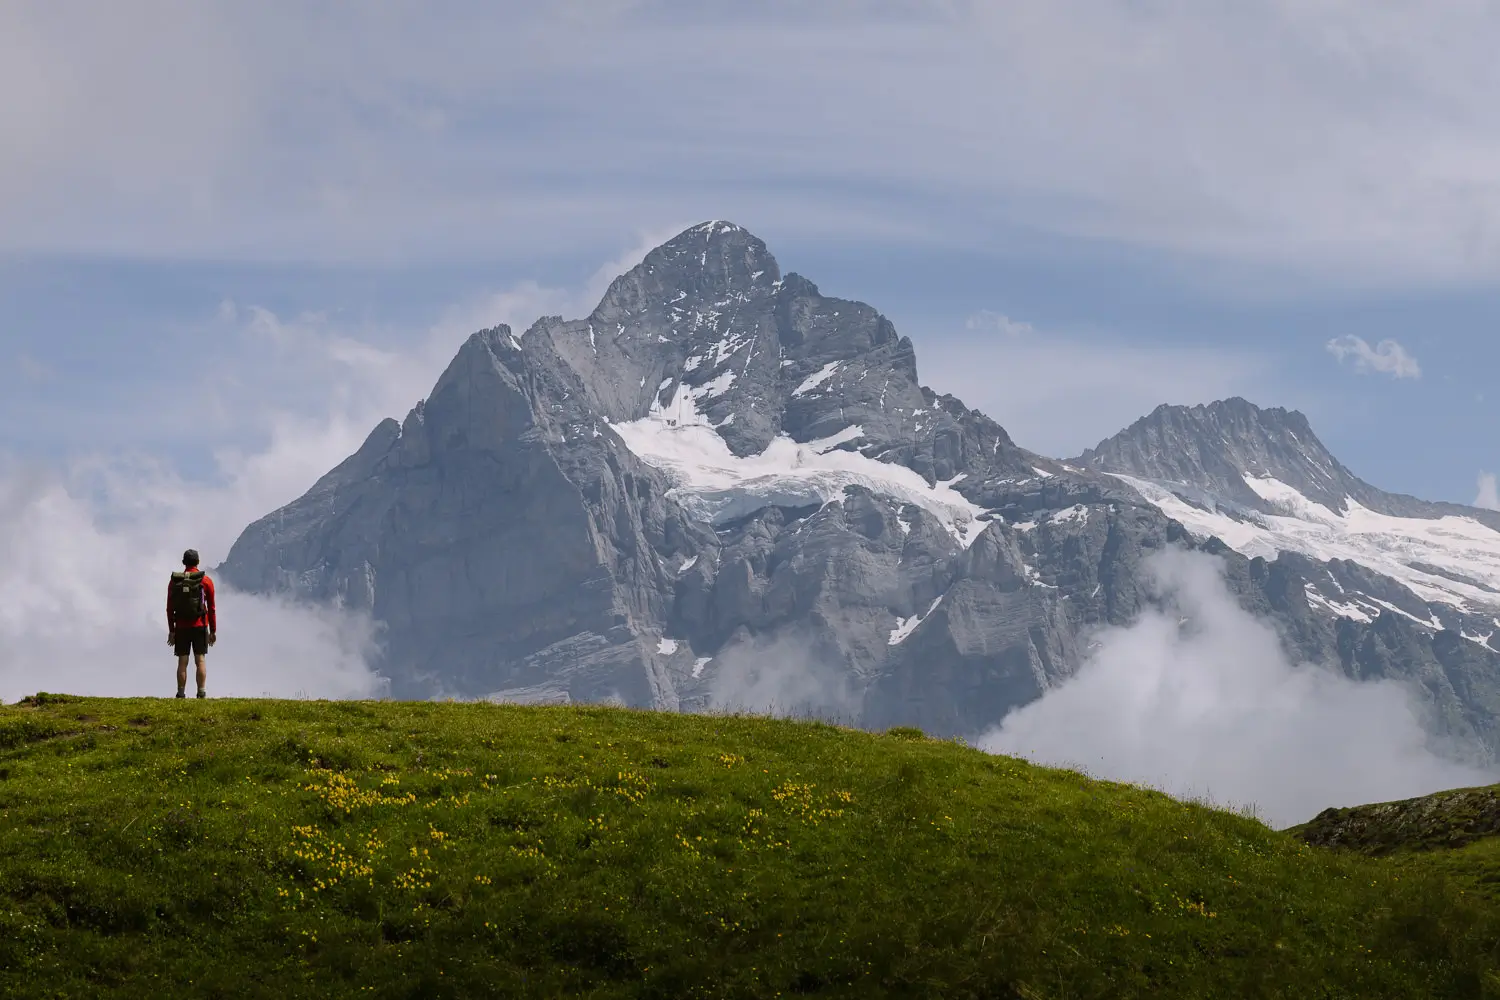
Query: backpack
{"x": 187, "y": 597}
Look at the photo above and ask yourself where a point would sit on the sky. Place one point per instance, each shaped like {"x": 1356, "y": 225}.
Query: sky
{"x": 235, "y": 236}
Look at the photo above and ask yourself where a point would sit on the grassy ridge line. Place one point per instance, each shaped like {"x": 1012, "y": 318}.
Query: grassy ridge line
{"x": 266, "y": 848}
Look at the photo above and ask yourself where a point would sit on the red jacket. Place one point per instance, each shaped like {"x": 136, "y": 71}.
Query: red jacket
{"x": 208, "y": 618}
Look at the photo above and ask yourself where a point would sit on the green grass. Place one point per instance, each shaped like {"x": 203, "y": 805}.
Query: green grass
{"x": 285, "y": 849}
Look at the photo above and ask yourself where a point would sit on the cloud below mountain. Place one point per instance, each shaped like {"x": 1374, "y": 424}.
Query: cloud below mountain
{"x": 781, "y": 676}
{"x": 83, "y": 585}
{"x": 1200, "y": 699}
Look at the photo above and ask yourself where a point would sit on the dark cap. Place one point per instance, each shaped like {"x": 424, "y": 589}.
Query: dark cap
{"x": 190, "y": 557}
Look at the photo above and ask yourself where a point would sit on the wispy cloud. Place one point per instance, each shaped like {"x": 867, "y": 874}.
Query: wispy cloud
{"x": 1213, "y": 708}
{"x": 1488, "y": 495}
{"x": 937, "y": 120}
{"x": 780, "y": 676}
{"x": 1387, "y": 357}
{"x": 988, "y": 319}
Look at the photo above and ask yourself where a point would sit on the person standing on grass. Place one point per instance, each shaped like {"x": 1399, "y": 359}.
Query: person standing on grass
{"x": 192, "y": 624}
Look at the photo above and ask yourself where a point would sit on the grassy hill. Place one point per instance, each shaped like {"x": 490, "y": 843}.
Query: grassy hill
{"x": 285, "y": 849}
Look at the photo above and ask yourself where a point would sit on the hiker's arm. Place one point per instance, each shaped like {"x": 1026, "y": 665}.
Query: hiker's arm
{"x": 212, "y": 612}
{"x": 170, "y": 623}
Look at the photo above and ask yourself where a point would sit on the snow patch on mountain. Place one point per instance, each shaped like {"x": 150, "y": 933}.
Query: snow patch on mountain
{"x": 906, "y": 626}
{"x": 717, "y": 486}
{"x": 1453, "y": 560}
{"x": 817, "y": 378}
{"x": 1350, "y": 610}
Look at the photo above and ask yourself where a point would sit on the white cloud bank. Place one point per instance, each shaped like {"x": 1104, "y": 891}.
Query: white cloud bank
{"x": 83, "y": 593}
{"x": 1213, "y": 708}
{"x": 1387, "y": 357}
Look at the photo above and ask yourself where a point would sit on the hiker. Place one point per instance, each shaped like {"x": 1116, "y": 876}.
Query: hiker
{"x": 191, "y": 622}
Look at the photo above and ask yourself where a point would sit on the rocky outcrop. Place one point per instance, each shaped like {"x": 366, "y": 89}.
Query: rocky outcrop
{"x": 1430, "y": 822}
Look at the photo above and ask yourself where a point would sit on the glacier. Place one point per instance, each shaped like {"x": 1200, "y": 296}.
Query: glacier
{"x": 715, "y": 485}
{"x": 1451, "y": 560}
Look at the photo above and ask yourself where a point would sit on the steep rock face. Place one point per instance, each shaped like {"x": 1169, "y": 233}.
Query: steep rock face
{"x": 722, "y": 488}
{"x": 502, "y": 547}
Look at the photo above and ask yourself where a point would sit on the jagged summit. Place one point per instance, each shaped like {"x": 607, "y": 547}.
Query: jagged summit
{"x": 1259, "y": 479}
{"x": 707, "y": 331}
{"x": 1233, "y": 452}
{"x": 1216, "y": 446}
{"x": 711, "y": 265}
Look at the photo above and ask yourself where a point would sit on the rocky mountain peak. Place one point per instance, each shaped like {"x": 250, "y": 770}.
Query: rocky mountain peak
{"x": 708, "y": 267}
{"x": 706, "y": 332}
{"x": 1216, "y": 446}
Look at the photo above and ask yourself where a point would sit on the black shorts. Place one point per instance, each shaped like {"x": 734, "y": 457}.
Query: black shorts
{"x": 192, "y": 640}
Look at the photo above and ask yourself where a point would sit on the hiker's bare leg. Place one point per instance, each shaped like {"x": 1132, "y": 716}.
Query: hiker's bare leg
{"x": 202, "y": 670}
{"x": 182, "y": 671}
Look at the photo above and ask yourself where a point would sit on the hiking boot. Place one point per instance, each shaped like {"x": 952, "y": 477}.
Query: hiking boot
{"x": 202, "y": 693}
{"x": 181, "y": 694}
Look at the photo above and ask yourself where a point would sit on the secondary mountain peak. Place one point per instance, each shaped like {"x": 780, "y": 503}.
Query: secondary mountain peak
{"x": 1215, "y": 447}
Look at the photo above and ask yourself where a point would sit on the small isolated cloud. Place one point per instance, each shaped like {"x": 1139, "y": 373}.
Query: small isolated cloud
{"x": 33, "y": 370}
{"x": 1489, "y": 494}
{"x": 1200, "y": 699}
{"x": 1387, "y": 357}
{"x": 988, "y": 319}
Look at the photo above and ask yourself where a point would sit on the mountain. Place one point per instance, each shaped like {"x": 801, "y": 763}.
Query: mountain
{"x": 1232, "y": 447}
{"x": 725, "y": 488}
{"x": 1262, "y": 481}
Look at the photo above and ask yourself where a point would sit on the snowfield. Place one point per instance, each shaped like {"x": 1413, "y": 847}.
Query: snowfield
{"x": 1453, "y": 560}
{"x": 716, "y": 486}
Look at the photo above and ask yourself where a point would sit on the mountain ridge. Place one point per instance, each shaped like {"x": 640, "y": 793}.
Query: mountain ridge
{"x": 1296, "y": 456}
{"x": 720, "y": 467}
